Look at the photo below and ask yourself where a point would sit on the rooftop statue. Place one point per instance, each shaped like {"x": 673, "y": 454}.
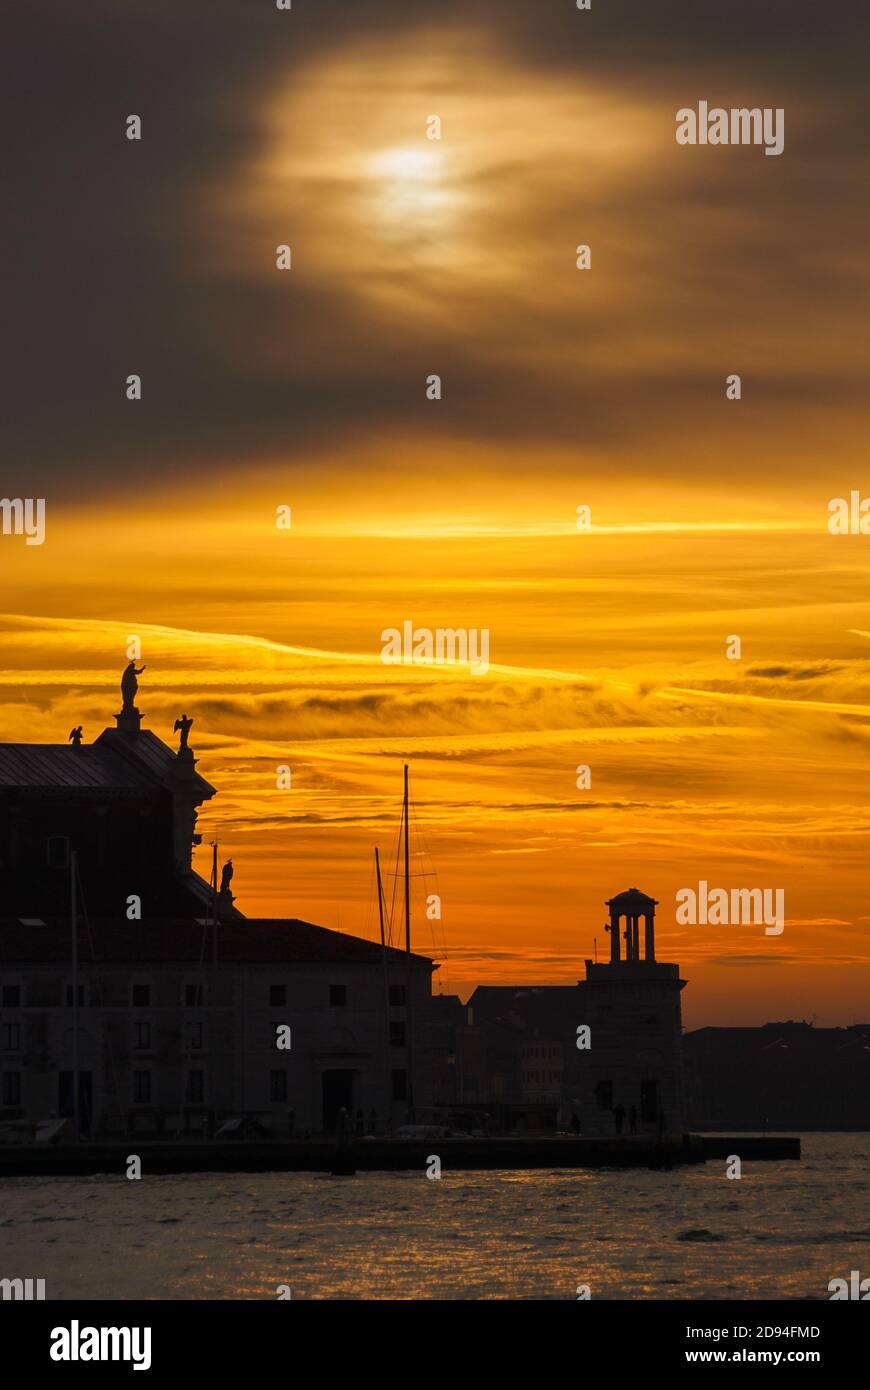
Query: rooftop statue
{"x": 75, "y": 737}
{"x": 182, "y": 725}
{"x": 129, "y": 685}
{"x": 226, "y": 876}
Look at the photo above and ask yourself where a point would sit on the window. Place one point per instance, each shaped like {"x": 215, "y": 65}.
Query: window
{"x": 11, "y": 997}
{"x": 141, "y": 1034}
{"x": 195, "y": 1087}
{"x": 338, "y": 996}
{"x": 277, "y": 996}
{"x": 604, "y": 1095}
{"x": 141, "y": 1088}
{"x": 193, "y": 1036}
{"x": 397, "y": 996}
{"x": 11, "y": 1089}
{"x": 141, "y": 995}
{"x": 649, "y": 1101}
{"x": 10, "y": 1037}
{"x": 193, "y": 996}
{"x": 277, "y": 1085}
{"x": 400, "y": 1084}
{"x": 397, "y": 1033}
{"x": 69, "y": 996}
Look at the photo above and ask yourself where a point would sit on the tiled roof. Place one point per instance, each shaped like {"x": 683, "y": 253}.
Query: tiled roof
{"x": 47, "y": 766}
{"x": 114, "y": 762}
{"x": 162, "y": 940}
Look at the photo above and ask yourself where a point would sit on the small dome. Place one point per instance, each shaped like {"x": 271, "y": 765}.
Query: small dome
{"x": 632, "y": 898}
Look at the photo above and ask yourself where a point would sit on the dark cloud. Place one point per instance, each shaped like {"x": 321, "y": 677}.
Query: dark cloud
{"x": 101, "y": 243}
{"x": 794, "y": 673}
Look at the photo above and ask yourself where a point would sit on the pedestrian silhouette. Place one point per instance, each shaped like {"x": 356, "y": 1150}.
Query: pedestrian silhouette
{"x": 619, "y": 1116}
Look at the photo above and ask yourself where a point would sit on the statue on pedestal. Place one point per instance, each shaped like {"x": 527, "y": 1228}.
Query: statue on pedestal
{"x": 129, "y": 685}
{"x": 182, "y": 726}
{"x": 226, "y": 878}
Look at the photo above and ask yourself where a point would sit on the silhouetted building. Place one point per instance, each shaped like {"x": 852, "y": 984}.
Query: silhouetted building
{"x": 632, "y": 1005}
{"x": 780, "y": 1076}
{"x": 447, "y": 1014}
{"x": 519, "y": 1051}
{"x": 180, "y": 999}
{"x": 126, "y": 803}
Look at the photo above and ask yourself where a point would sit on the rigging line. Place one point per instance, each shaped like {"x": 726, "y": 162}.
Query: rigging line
{"x": 424, "y": 873}
{"x": 395, "y": 878}
{"x": 442, "y": 947}
{"x": 369, "y": 917}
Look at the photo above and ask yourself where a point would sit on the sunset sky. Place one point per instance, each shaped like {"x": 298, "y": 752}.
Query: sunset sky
{"x": 561, "y": 388}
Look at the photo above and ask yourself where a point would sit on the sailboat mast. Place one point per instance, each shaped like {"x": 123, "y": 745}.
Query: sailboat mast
{"x": 407, "y": 875}
{"x": 388, "y": 1089}
{"x": 408, "y": 1019}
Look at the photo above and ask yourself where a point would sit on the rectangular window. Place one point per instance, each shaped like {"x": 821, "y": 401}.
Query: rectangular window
{"x": 195, "y": 1087}
{"x": 397, "y": 996}
{"x": 11, "y": 997}
{"x": 649, "y": 1101}
{"x": 400, "y": 1084}
{"x": 277, "y": 1085}
{"x": 141, "y": 996}
{"x": 69, "y": 996}
{"x": 10, "y": 1038}
{"x": 141, "y": 1088}
{"x": 397, "y": 1033}
{"x": 277, "y": 996}
{"x": 141, "y": 1034}
{"x": 11, "y": 1089}
{"x": 604, "y": 1095}
{"x": 193, "y": 996}
{"x": 193, "y": 1036}
{"x": 338, "y": 996}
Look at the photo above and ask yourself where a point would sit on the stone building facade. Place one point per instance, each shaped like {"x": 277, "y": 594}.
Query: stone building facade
{"x": 175, "y": 1023}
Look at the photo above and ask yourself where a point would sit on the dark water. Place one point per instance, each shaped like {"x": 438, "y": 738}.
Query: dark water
{"x": 782, "y": 1230}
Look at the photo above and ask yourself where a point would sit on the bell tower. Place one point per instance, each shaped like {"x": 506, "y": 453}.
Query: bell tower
{"x": 630, "y": 907}
{"x": 633, "y": 1075}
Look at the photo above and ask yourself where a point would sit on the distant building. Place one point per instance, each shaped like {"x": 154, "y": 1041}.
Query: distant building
{"x": 519, "y": 1051}
{"x": 780, "y": 1076}
{"x": 447, "y": 1014}
{"x": 179, "y": 1009}
{"x": 632, "y": 1005}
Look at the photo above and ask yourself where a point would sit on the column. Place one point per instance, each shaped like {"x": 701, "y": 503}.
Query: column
{"x": 650, "y": 946}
